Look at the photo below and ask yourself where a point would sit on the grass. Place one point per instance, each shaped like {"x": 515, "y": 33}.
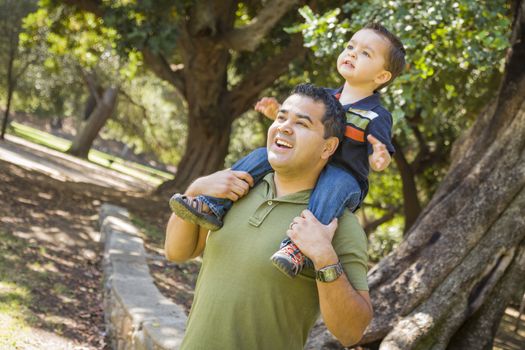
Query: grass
{"x": 151, "y": 175}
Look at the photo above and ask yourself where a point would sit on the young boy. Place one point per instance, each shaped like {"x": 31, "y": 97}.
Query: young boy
{"x": 373, "y": 58}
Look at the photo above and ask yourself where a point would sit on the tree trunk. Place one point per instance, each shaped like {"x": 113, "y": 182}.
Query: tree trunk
{"x": 6, "y": 114}
{"x": 10, "y": 90}
{"x": 411, "y": 206}
{"x": 448, "y": 282}
{"x": 89, "y": 130}
{"x": 206, "y": 149}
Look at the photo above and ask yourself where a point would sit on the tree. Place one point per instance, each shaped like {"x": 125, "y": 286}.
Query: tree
{"x": 17, "y": 60}
{"x": 454, "y": 66}
{"x": 209, "y": 51}
{"x": 96, "y": 115}
{"x": 448, "y": 284}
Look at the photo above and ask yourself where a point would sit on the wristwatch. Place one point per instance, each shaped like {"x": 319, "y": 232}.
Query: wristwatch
{"x": 329, "y": 273}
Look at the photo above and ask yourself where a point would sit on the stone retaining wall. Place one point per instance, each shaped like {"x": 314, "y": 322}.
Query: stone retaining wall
{"x": 137, "y": 315}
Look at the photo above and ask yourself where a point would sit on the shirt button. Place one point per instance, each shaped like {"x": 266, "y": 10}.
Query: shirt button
{"x": 270, "y": 202}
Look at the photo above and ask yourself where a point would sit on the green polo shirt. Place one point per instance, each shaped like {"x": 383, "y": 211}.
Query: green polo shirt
{"x": 241, "y": 300}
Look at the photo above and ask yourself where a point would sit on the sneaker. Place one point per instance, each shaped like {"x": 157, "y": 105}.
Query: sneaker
{"x": 191, "y": 209}
{"x": 289, "y": 259}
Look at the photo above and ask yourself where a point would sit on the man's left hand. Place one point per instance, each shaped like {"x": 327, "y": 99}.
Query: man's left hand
{"x": 314, "y": 239}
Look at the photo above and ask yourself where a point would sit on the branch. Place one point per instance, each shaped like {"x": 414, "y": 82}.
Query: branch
{"x": 156, "y": 62}
{"x": 139, "y": 129}
{"x": 90, "y": 78}
{"x": 412, "y": 122}
{"x": 371, "y": 226}
{"x": 248, "y": 37}
{"x": 243, "y": 94}
{"x": 160, "y": 66}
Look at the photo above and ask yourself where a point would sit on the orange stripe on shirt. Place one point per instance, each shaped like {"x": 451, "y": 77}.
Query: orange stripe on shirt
{"x": 355, "y": 134}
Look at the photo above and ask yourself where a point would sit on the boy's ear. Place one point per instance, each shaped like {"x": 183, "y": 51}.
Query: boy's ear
{"x": 383, "y": 77}
{"x": 330, "y": 145}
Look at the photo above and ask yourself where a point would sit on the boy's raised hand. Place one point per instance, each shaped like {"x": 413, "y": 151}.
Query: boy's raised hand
{"x": 268, "y": 106}
{"x": 380, "y": 159}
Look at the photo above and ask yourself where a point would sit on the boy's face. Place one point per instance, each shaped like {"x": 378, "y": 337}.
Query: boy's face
{"x": 362, "y": 62}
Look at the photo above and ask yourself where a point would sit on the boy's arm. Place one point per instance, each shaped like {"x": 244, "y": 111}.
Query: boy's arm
{"x": 185, "y": 240}
{"x": 380, "y": 159}
{"x": 268, "y": 106}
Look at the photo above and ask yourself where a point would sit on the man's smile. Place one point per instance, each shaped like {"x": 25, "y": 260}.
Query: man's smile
{"x": 281, "y": 143}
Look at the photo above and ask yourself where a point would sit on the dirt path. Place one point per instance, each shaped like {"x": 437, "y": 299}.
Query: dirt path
{"x": 64, "y": 167}
{"x": 50, "y": 263}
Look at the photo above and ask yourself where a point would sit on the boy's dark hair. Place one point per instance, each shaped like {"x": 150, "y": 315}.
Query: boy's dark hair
{"x": 334, "y": 115}
{"x": 395, "y": 61}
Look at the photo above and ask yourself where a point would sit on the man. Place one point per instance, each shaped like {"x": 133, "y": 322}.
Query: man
{"x": 241, "y": 301}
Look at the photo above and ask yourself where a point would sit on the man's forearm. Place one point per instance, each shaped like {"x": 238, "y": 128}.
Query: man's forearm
{"x": 346, "y": 312}
{"x": 185, "y": 240}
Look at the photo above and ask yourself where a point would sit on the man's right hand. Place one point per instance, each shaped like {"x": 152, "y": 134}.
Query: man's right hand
{"x": 268, "y": 106}
{"x": 231, "y": 184}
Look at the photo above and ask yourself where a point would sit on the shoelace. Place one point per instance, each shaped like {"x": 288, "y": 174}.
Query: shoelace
{"x": 295, "y": 253}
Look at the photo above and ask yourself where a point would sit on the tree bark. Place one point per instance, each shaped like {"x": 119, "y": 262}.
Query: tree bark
{"x": 89, "y": 130}
{"x": 206, "y": 148}
{"x": 10, "y": 89}
{"x": 13, "y": 47}
{"x": 451, "y": 275}
{"x": 467, "y": 238}
{"x": 212, "y": 106}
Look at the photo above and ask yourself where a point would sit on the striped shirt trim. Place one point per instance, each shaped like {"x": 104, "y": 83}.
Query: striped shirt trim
{"x": 370, "y": 115}
{"x": 354, "y": 133}
{"x": 357, "y": 120}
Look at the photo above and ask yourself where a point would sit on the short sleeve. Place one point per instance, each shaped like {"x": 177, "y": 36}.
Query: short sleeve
{"x": 381, "y": 129}
{"x": 350, "y": 244}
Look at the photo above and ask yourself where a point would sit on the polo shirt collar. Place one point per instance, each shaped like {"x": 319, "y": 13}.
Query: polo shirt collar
{"x": 367, "y": 104}
{"x": 301, "y": 197}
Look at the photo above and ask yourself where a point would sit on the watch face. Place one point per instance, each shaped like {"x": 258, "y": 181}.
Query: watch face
{"x": 329, "y": 273}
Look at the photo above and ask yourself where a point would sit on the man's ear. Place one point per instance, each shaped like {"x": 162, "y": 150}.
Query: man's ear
{"x": 330, "y": 145}
{"x": 383, "y": 77}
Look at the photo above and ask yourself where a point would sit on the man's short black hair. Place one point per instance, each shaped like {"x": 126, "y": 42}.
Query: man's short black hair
{"x": 334, "y": 115}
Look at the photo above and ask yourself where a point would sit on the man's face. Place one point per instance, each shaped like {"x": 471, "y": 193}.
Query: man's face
{"x": 295, "y": 139}
{"x": 363, "y": 59}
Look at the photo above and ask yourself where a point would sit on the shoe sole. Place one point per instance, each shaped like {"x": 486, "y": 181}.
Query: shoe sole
{"x": 283, "y": 265}
{"x": 185, "y": 213}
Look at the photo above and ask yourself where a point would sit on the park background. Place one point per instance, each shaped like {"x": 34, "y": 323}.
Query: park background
{"x": 163, "y": 91}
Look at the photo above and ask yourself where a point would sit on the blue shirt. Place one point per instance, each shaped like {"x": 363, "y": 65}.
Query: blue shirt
{"x": 363, "y": 117}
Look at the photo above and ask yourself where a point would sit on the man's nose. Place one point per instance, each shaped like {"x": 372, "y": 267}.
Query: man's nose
{"x": 285, "y": 128}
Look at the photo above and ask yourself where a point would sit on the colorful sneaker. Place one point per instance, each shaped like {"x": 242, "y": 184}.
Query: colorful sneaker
{"x": 289, "y": 259}
{"x": 191, "y": 209}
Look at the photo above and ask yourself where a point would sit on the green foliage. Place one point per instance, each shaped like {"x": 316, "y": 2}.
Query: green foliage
{"x": 455, "y": 55}
{"x": 14, "y": 58}
{"x": 248, "y": 133}
{"x": 385, "y": 239}
{"x": 324, "y": 34}
{"x": 151, "y": 118}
